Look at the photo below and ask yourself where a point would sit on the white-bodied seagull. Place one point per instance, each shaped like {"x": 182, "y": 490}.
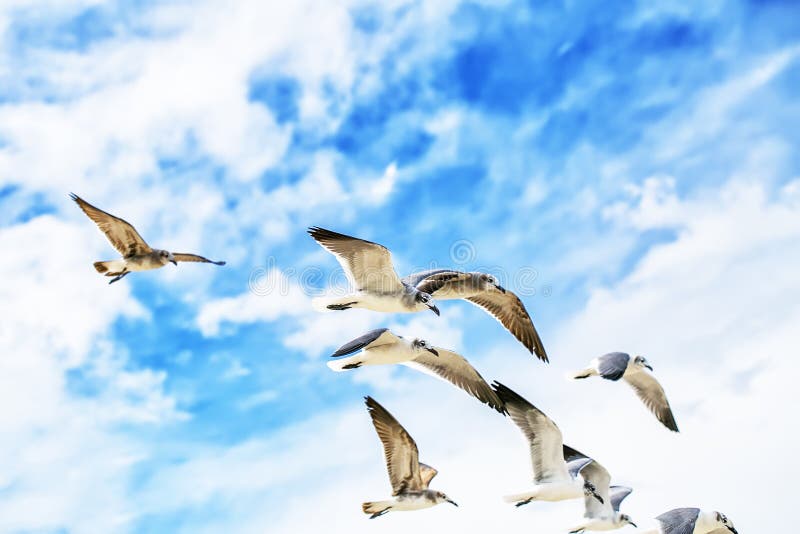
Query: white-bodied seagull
{"x": 382, "y": 347}
{"x": 369, "y": 269}
{"x": 483, "y": 290}
{"x": 692, "y": 521}
{"x": 603, "y": 515}
{"x": 409, "y": 478}
{"x": 554, "y": 479}
{"x": 136, "y": 253}
{"x": 638, "y": 373}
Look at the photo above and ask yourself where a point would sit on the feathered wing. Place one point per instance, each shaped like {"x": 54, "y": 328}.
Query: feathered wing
{"x": 373, "y": 338}
{"x": 679, "y": 520}
{"x": 612, "y": 366}
{"x": 598, "y": 476}
{"x": 183, "y": 256}
{"x": 543, "y": 436}
{"x": 458, "y": 371}
{"x": 510, "y": 311}
{"x": 399, "y": 449}
{"x": 618, "y": 494}
{"x": 120, "y": 233}
{"x": 433, "y": 280}
{"x": 652, "y": 395}
{"x": 367, "y": 265}
{"x": 427, "y": 473}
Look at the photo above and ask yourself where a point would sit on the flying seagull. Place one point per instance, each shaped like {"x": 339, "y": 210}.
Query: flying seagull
{"x": 369, "y": 269}
{"x": 692, "y": 521}
{"x": 600, "y": 515}
{"x": 409, "y": 477}
{"x": 638, "y": 373}
{"x": 381, "y": 347}
{"x": 554, "y": 479}
{"x": 136, "y": 253}
{"x": 482, "y": 290}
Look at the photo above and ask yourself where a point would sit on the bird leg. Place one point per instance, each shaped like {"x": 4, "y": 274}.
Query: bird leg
{"x": 119, "y": 276}
{"x": 523, "y": 503}
{"x": 378, "y": 514}
{"x": 339, "y": 307}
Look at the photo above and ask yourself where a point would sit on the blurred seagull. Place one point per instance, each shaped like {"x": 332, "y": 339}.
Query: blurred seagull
{"x": 409, "y": 477}
{"x": 600, "y": 515}
{"x": 638, "y": 373}
{"x": 136, "y": 253}
{"x": 692, "y": 521}
{"x": 555, "y": 480}
{"x": 382, "y": 347}
{"x": 482, "y": 290}
{"x": 369, "y": 269}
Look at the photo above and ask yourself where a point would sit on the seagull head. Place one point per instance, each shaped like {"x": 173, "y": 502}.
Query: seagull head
{"x": 427, "y": 300}
{"x": 490, "y": 282}
{"x": 723, "y": 521}
{"x": 166, "y": 256}
{"x": 441, "y": 497}
{"x": 625, "y": 519}
{"x": 641, "y": 361}
{"x": 422, "y": 345}
{"x": 590, "y": 489}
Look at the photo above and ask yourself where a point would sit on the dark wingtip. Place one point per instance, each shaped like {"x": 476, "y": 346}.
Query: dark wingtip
{"x": 218, "y": 262}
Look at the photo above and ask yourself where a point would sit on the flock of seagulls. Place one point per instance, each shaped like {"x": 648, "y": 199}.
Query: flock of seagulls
{"x": 559, "y": 471}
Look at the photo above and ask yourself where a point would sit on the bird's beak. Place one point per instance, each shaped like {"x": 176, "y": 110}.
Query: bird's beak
{"x": 631, "y": 523}
{"x": 452, "y": 502}
{"x": 598, "y": 497}
{"x": 648, "y": 366}
{"x": 733, "y": 530}
{"x": 173, "y": 262}
{"x": 434, "y": 309}
{"x": 433, "y": 351}
{"x": 500, "y": 288}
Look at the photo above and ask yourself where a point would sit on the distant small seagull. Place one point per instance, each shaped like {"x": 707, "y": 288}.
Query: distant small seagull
{"x": 555, "y": 480}
{"x": 636, "y": 372}
{"x": 605, "y": 515}
{"x": 692, "y": 521}
{"x": 136, "y": 253}
{"x": 382, "y": 347}
{"x": 369, "y": 269}
{"x": 409, "y": 477}
{"x": 482, "y": 290}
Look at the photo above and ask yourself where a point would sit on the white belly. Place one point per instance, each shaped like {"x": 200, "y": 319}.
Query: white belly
{"x": 390, "y": 303}
{"x": 409, "y": 504}
{"x": 599, "y": 525}
{"x": 387, "y": 355}
{"x": 558, "y": 491}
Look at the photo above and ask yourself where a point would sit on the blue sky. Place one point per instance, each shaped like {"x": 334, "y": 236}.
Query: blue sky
{"x": 629, "y": 168}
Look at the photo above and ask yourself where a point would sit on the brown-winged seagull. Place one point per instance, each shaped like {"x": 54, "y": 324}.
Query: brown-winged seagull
{"x": 554, "y": 479}
{"x": 136, "y": 253}
{"x": 369, "y": 269}
{"x": 409, "y": 478}
{"x": 483, "y": 290}
{"x": 638, "y": 373}
{"x": 382, "y": 347}
{"x": 599, "y": 515}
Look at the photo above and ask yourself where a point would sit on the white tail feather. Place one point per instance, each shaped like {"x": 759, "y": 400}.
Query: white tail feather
{"x": 584, "y": 373}
{"x": 519, "y": 497}
{"x": 376, "y": 507}
{"x": 339, "y": 365}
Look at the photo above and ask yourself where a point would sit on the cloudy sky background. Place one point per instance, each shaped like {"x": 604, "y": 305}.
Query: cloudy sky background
{"x": 630, "y": 168}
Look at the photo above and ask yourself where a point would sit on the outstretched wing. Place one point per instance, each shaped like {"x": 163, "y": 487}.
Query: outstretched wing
{"x": 679, "y": 520}
{"x": 427, "y": 473}
{"x": 599, "y": 477}
{"x": 373, "y": 338}
{"x": 182, "y": 256}
{"x": 433, "y": 280}
{"x": 652, "y": 395}
{"x": 367, "y": 265}
{"x": 458, "y": 371}
{"x": 510, "y": 311}
{"x": 612, "y": 366}
{"x": 400, "y": 450}
{"x": 122, "y": 235}
{"x": 543, "y": 436}
{"x": 618, "y": 494}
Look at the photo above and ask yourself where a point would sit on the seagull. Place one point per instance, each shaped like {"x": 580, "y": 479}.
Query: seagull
{"x": 381, "y": 347}
{"x": 638, "y": 373}
{"x": 605, "y": 515}
{"x": 555, "y": 480}
{"x": 136, "y": 253}
{"x": 692, "y": 521}
{"x": 409, "y": 477}
{"x": 482, "y": 290}
{"x": 369, "y": 269}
